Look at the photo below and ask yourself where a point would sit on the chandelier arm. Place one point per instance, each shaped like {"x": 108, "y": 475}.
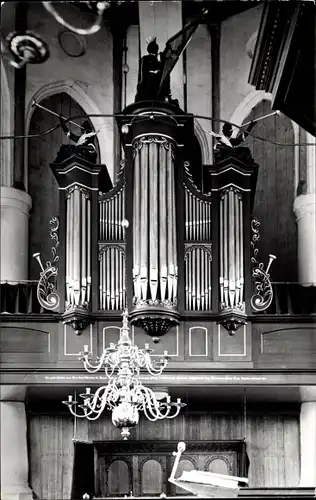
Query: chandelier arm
{"x": 94, "y": 368}
{"x": 91, "y": 368}
{"x": 77, "y": 415}
{"x": 176, "y": 413}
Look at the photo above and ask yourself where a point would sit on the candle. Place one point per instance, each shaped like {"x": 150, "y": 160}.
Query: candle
{"x": 70, "y": 399}
{"x": 86, "y": 348}
{"x": 88, "y": 390}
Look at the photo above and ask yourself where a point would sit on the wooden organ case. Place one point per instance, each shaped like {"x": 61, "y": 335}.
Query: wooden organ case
{"x": 153, "y": 242}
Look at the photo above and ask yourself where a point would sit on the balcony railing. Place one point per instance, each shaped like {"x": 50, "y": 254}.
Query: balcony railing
{"x": 20, "y": 298}
{"x": 292, "y": 299}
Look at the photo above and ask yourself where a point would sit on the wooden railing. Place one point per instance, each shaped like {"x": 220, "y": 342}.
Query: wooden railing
{"x": 291, "y": 299}
{"x": 288, "y": 299}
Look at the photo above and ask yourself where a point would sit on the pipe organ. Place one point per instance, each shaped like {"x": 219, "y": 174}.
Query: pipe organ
{"x": 233, "y": 184}
{"x": 78, "y": 182}
{"x": 112, "y": 247}
{"x": 197, "y": 247}
{"x": 154, "y": 242}
{"x": 155, "y": 264}
{"x": 78, "y": 247}
{"x": 231, "y": 278}
{"x": 154, "y": 143}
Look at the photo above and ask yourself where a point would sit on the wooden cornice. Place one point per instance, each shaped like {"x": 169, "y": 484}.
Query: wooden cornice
{"x": 284, "y": 60}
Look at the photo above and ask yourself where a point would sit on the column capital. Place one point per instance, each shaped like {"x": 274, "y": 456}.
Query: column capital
{"x": 304, "y": 204}
{"x": 15, "y": 208}
{"x": 14, "y": 198}
{"x": 308, "y": 394}
{"x": 12, "y": 393}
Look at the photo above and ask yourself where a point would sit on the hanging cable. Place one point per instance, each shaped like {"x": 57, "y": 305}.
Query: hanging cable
{"x": 156, "y": 116}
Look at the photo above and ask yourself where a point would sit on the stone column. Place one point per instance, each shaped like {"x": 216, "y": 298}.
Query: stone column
{"x": 305, "y": 212}
{"x": 15, "y": 206}
{"x": 308, "y": 439}
{"x": 162, "y": 20}
{"x": 14, "y": 456}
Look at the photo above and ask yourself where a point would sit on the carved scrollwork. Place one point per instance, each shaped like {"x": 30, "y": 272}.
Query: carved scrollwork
{"x": 231, "y": 189}
{"x": 165, "y": 142}
{"x": 104, "y": 247}
{"x": 46, "y": 294}
{"x": 82, "y": 190}
{"x": 190, "y": 247}
{"x": 227, "y": 460}
{"x": 156, "y": 302}
{"x": 263, "y": 296}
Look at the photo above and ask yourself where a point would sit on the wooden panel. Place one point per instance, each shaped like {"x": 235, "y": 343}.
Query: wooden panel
{"x": 73, "y": 344}
{"x": 272, "y": 439}
{"x": 198, "y": 341}
{"x": 43, "y": 187}
{"x": 293, "y": 346}
{"x": 170, "y": 342}
{"x": 51, "y": 455}
{"x": 152, "y": 480}
{"x": 110, "y": 334}
{"x": 118, "y": 478}
{"x": 275, "y": 191}
{"x": 28, "y": 344}
{"x": 289, "y": 341}
{"x": 235, "y": 347}
{"x": 184, "y": 465}
{"x": 220, "y": 465}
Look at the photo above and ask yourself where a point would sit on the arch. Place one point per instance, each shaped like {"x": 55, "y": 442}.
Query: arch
{"x": 152, "y": 477}
{"x": 217, "y": 460}
{"x": 244, "y": 109}
{"x": 6, "y": 146}
{"x": 77, "y": 92}
{"x": 119, "y": 477}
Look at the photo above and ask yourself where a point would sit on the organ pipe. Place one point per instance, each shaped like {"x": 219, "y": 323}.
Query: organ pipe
{"x": 231, "y": 250}
{"x": 112, "y": 286}
{"x": 154, "y": 244}
{"x": 198, "y": 248}
{"x": 78, "y": 247}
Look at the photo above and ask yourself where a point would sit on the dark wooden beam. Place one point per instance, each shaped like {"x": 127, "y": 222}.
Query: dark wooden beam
{"x": 215, "y": 34}
{"x": 118, "y": 36}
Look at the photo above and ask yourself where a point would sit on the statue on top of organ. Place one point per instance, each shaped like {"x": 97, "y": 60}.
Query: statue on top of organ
{"x": 155, "y": 69}
{"x": 150, "y": 86}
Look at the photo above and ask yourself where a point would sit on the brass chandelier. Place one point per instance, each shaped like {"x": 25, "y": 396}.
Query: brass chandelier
{"x": 124, "y": 395}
